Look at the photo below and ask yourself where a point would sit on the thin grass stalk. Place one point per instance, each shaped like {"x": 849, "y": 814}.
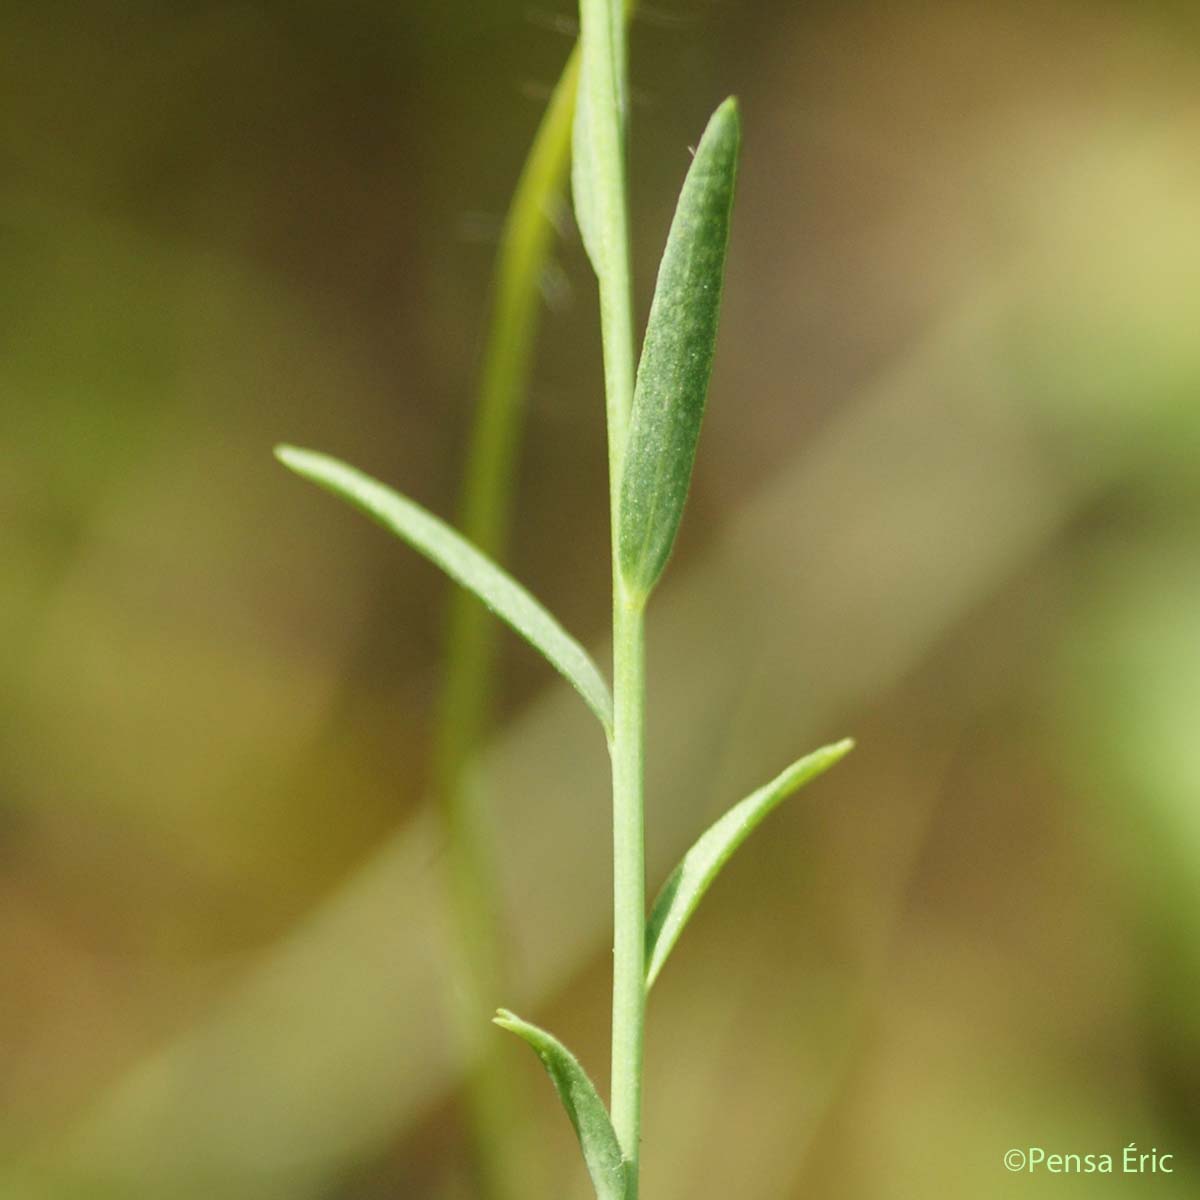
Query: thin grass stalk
{"x": 485, "y": 516}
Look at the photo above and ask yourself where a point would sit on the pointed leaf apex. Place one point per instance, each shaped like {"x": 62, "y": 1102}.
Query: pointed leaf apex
{"x": 687, "y": 885}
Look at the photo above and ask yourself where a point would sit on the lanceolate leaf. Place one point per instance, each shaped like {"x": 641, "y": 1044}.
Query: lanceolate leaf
{"x": 601, "y": 1150}
{"x": 442, "y": 545}
{"x": 672, "y": 379}
{"x": 689, "y": 881}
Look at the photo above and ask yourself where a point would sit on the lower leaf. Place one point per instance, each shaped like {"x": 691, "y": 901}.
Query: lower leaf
{"x": 597, "y": 1139}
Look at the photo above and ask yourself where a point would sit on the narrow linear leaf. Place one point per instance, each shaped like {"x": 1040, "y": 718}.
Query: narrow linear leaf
{"x": 601, "y": 1150}
{"x": 684, "y": 890}
{"x": 444, "y": 546}
{"x": 672, "y": 379}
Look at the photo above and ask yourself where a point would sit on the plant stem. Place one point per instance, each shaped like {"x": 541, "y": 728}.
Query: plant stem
{"x": 485, "y": 517}
{"x": 603, "y": 37}
{"x": 629, "y": 878}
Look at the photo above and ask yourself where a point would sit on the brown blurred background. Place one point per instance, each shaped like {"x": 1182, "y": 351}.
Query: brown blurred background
{"x": 947, "y": 500}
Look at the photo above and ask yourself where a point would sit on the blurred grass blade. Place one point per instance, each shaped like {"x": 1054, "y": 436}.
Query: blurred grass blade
{"x": 684, "y": 890}
{"x": 601, "y": 1151}
{"x": 505, "y": 1162}
{"x": 672, "y": 379}
{"x": 444, "y": 546}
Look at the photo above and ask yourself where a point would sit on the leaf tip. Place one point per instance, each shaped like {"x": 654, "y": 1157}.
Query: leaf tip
{"x": 727, "y": 121}
{"x": 290, "y": 456}
{"x": 836, "y": 752}
{"x": 509, "y": 1021}
{"x": 820, "y": 761}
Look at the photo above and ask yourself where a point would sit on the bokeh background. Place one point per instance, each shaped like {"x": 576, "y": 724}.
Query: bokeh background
{"x": 947, "y": 500}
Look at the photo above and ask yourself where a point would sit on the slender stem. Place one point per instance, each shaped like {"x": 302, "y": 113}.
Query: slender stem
{"x": 629, "y": 879}
{"x": 602, "y": 37}
{"x": 485, "y": 517}
{"x": 604, "y": 85}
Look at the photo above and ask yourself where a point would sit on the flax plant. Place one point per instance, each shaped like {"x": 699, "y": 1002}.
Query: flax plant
{"x": 654, "y": 409}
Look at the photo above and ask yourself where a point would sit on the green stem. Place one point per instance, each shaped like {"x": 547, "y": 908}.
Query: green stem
{"x": 604, "y": 84}
{"x": 629, "y": 879}
{"x": 602, "y": 36}
{"x": 485, "y": 517}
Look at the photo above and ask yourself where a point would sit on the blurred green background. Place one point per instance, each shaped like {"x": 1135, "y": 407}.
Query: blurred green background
{"x": 947, "y": 500}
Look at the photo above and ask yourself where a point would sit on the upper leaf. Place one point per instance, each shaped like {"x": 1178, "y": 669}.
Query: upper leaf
{"x": 444, "y": 546}
{"x": 684, "y": 890}
{"x": 597, "y": 1139}
{"x": 672, "y": 380}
